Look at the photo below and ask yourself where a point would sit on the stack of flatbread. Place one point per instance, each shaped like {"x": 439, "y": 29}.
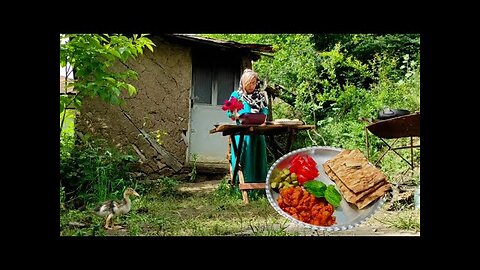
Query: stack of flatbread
{"x": 359, "y": 181}
{"x": 285, "y": 121}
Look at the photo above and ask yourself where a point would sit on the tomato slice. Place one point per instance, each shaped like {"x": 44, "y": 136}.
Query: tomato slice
{"x": 308, "y": 172}
{"x": 294, "y": 168}
{"x": 302, "y": 179}
{"x": 305, "y": 167}
{"x": 311, "y": 161}
{"x": 296, "y": 159}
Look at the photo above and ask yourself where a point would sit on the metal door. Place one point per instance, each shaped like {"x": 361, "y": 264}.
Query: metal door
{"x": 214, "y": 78}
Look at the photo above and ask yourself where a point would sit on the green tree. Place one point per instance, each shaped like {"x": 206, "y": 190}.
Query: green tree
{"x": 318, "y": 71}
{"x": 364, "y": 47}
{"x": 92, "y": 58}
{"x": 335, "y": 80}
{"x": 292, "y": 65}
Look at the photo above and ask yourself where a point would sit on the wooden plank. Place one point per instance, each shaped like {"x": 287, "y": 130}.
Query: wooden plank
{"x": 242, "y": 182}
{"x": 166, "y": 156}
{"x": 169, "y": 159}
{"x": 139, "y": 153}
{"x": 258, "y": 129}
{"x": 238, "y": 155}
{"x": 251, "y": 186}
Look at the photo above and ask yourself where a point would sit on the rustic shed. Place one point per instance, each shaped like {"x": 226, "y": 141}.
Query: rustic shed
{"x": 181, "y": 88}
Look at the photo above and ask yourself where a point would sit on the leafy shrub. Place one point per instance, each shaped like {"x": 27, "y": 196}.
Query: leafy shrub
{"x": 168, "y": 186}
{"x": 91, "y": 171}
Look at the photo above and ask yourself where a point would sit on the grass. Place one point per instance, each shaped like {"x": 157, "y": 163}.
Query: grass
{"x": 165, "y": 210}
{"x": 408, "y": 220}
{"x": 180, "y": 213}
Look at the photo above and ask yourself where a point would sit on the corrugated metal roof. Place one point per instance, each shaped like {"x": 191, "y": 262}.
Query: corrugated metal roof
{"x": 255, "y": 48}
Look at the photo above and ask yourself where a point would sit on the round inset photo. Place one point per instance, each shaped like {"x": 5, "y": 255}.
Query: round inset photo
{"x": 287, "y": 188}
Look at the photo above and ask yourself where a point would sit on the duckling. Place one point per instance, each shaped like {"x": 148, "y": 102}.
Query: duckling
{"x": 112, "y": 208}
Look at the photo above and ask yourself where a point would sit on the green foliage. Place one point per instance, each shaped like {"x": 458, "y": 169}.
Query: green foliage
{"x": 91, "y": 172}
{"x": 93, "y": 224}
{"x": 281, "y": 109}
{"x": 225, "y": 191}
{"x": 293, "y": 65}
{"x": 62, "y": 198}
{"x": 335, "y": 80}
{"x": 402, "y": 92}
{"x": 67, "y": 144}
{"x": 168, "y": 186}
{"x": 394, "y": 167}
{"x": 199, "y": 214}
{"x": 93, "y": 58}
{"x": 364, "y": 46}
{"x": 405, "y": 220}
{"x": 69, "y": 121}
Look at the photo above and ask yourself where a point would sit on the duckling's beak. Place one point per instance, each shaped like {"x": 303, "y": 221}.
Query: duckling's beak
{"x": 136, "y": 194}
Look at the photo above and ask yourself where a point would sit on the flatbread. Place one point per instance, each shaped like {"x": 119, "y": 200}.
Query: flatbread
{"x": 362, "y": 199}
{"x": 370, "y": 197}
{"x": 357, "y": 179}
{"x": 286, "y": 122}
{"x": 354, "y": 170}
{"x": 348, "y": 194}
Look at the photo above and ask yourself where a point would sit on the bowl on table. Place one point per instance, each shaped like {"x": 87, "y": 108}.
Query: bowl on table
{"x": 252, "y": 118}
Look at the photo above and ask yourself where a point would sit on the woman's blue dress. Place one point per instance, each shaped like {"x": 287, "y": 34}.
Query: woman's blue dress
{"x": 254, "y": 150}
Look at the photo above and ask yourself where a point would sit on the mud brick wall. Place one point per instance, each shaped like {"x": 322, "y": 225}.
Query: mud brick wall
{"x": 160, "y": 106}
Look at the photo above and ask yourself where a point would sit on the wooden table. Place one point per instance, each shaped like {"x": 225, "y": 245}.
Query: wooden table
{"x": 269, "y": 130}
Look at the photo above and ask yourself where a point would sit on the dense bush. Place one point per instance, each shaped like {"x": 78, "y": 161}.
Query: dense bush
{"x": 91, "y": 171}
{"x": 338, "y": 82}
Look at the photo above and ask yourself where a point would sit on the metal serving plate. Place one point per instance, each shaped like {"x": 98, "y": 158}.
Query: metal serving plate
{"x": 347, "y": 216}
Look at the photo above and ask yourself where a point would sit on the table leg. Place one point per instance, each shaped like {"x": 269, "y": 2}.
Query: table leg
{"x": 238, "y": 152}
{"x": 244, "y": 192}
{"x": 277, "y": 152}
{"x": 291, "y": 137}
{"x": 389, "y": 147}
{"x": 234, "y": 153}
{"x": 411, "y": 151}
{"x": 366, "y": 143}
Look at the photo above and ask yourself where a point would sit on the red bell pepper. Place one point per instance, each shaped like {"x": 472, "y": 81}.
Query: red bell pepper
{"x": 302, "y": 179}
{"x": 311, "y": 161}
{"x": 304, "y": 167}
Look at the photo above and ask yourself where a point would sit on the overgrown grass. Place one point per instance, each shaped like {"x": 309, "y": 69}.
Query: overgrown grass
{"x": 166, "y": 211}
{"x": 91, "y": 171}
{"x": 408, "y": 220}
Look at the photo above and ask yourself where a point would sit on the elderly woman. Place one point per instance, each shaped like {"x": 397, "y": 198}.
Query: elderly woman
{"x": 254, "y": 152}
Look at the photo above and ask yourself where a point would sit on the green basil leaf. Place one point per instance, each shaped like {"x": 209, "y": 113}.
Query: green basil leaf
{"x": 333, "y": 196}
{"x": 316, "y": 188}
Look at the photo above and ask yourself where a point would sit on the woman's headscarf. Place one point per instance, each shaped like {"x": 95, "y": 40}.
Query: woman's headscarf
{"x": 256, "y": 100}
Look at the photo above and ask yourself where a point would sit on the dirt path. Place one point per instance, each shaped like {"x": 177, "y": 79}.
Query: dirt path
{"x": 204, "y": 186}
